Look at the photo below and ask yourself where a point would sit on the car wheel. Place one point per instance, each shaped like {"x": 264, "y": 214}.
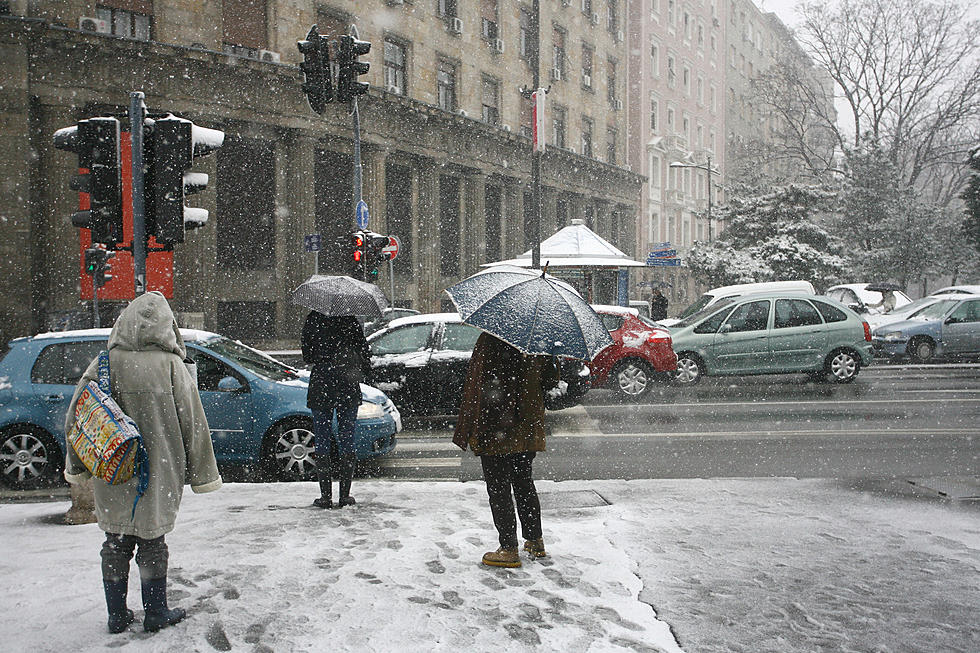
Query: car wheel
{"x": 289, "y": 453}
{"x": 921, "y": 350}
{"x": 843, "y": 366}
{"x": 632, "y": 378}
{"x": 29, "y": 457}
{"x": 690, "y": 369}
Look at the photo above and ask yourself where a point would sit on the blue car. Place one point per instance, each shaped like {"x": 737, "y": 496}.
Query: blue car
{"x": 256, "y": 406}
{"x": 949, "y": 328}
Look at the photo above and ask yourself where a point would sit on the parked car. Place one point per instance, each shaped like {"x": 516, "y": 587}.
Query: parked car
{"x": 640, "y": 356}
{"x": 949, "y": 328}
{"x": 772, "y": 333}
{"x": 421, "y": 362}
{"x": 957, "y": 290}
{"x": 738, "y": 290}
{"x": 255, "y": 405}
{"x": 856, "y": 297}
{"x": 903, "y": 313}
{"x": 389, "y": 314}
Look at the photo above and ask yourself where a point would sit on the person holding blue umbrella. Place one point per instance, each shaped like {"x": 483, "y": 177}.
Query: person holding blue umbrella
{"x": 529, "y": 319}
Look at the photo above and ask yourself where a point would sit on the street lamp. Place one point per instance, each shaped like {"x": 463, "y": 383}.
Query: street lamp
{"x": 711, "y": 171}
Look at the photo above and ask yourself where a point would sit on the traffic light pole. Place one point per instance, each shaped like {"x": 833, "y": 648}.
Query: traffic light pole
{"x": 95, "y": 304}
{"x": 136, "y": 115}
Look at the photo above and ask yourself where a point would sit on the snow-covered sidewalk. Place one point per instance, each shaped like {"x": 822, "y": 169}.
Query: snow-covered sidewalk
{"x": 687, "y": 565}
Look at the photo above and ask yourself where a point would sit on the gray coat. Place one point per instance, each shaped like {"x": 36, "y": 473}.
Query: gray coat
{"x": 153, "y": 386}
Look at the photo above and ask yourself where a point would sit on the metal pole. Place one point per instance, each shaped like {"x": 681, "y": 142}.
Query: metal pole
{"x": 709, "y": 198}
{"x": 95, "y": 304}
{"x": 391, "y": 279}
{"x": 535, "y": 230}
{"x": 357, "y": 174}
{"x": 136, "y": 115}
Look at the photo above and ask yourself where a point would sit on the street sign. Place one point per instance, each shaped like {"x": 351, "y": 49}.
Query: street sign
{"x": 361, "y": 212}
{"x": 663, "y": 253}
{"x": 664, "y": 262}
{"x": 311, "y": 243}
{"x": 665, "y": 245}
{"x": 392, "y": 249}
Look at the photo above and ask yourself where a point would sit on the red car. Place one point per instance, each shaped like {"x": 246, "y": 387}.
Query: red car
{"x": 641, "y": 353}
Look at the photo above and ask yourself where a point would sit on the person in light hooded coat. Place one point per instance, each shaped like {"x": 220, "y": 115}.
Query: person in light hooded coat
{"x": 152, "y": 384}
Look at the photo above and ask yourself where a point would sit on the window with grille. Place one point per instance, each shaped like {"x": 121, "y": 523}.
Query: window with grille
{"x": 491, "y": 101}
{"x": 131, "y": 19}
{"x": 558, "y": 127}
{"x": 394, "y": 66}
{"x": 588, "y": 127}
{"x": 446, "y": 83}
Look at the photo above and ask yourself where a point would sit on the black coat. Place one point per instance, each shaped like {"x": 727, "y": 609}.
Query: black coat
{"x": 658, "y": 307}
{"x": 340, "y": 358}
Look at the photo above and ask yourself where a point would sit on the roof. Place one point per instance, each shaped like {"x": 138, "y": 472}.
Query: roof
{"x": 612, "y": 308}
{"x": 576, "y": 246}
{"x": 189, "y": 335}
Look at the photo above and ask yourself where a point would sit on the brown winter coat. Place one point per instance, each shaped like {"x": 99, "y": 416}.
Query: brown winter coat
{"x": 152, "y": 385}
{"x": 502, "y": 410}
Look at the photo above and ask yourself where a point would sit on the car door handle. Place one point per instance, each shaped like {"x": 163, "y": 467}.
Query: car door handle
{"x": 54, "y": 398}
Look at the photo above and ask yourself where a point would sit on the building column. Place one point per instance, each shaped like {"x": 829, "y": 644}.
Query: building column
{"x": 373, "y": 163}
{"x": 426, "y": 233}
{"x": 295, "y": 191}
{"x": 473, "y": 239}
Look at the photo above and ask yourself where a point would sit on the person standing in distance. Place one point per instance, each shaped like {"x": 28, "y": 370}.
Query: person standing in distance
{"x": 152, "y": 384}
{"x": 658, "y": 306}
{"x": 336, "y": 348}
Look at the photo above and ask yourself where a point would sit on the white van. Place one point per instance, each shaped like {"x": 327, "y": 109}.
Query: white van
{"x": 713, "y": 295}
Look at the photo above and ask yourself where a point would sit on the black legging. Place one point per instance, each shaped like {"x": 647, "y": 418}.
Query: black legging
{"x": 502, "y": 473}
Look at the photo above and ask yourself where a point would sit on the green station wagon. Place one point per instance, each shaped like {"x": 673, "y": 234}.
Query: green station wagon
{"x": 778, "y": 333}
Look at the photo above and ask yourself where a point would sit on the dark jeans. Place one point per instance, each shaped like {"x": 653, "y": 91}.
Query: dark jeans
{"x": 503, "y": 473}
{"x": 323, "y": 434}
{"x": 117, "y": 551}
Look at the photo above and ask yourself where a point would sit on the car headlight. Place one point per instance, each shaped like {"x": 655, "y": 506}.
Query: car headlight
{"x": 892, "y": 336}
{"x": 369, "y": 410}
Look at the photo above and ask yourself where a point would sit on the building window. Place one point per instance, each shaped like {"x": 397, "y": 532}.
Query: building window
{"x": 671, "y": 71}
{"x": 655, "y": 181}
{"x": 488, "y": 20}
{"x": 493, "y": 222}
{"x": 654, "y": 115}
{"x": 446, "y": 83}
{"x": 561, "y": 212}
{"x": 246, "y": 216}
{"x": 394, "y": 66}
{"x": 558, "y": 50}
{"x": 524, "y": 47}
{"x": 671, "y": 13}
{"x": 558, "y": 127}
{"x": 670, "y": 119}
{"x": 447, "y": 8}
{"x": 448, "y": 226}
{"x": 611, "y": 79}
{"x": 244, "y": 27}
{"x": 655, "y": 60}
{"x": 700, "y": 90}
{"x": 587, "y": 7}
{"x": 527, "y": 116}
{"x": 132, "y": 22}
{"x": 686, "y": 80}
{"x": 587, "y": 56}
{"x": 588, "y": 127}
{"x": 611, "y": 145}
{"x": 613, "y": 15}
{"x": 491, "y": 101}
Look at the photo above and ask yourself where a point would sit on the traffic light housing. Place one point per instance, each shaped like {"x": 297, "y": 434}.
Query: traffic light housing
{"x": 348, "y": 50}
{"x": 374, "y": 256}
{"x": 356, "y": 257}
{"x": 171, "y": 145}
{"x": 96, "y": 142}
{"x": 97, "y": 265}
{"x": 316, "y": 67}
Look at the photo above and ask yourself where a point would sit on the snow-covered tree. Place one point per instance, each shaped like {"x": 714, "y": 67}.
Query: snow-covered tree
{"x": 971, "y": 195}
{"x": 772, "y": 236}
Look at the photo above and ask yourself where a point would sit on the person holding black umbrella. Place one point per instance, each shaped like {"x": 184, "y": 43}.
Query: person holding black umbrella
{"x": 341, "y": 360}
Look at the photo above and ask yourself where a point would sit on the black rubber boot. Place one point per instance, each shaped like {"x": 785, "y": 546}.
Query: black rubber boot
{"x": 115, "y": 600}
{"x": 323, "y": 476}
{"x": 158, "y": 615}
{"x": 347, "y": 464}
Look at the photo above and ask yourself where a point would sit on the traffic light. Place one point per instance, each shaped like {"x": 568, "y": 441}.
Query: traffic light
{"x": 348, "y": 50}
{"x": 356, "y": 258}
{"x": 97, "y": 265}
{"x": 374, "y": 256}
{"x": 170, "y": 146}
{"x": 96, "y": 142}
{"x": 316, "y": 67}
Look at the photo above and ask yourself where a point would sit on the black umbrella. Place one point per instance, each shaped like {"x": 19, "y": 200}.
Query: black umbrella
{"x": 882, "y": 286}
{"x": 339, "y": 295}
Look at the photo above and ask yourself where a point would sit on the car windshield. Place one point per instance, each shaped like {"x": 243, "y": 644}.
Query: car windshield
{"x": 251, "y": 359}
{"x": 700, "y": 315}
{"x": 696, "y": 306}
{"x": 934, "y": 311}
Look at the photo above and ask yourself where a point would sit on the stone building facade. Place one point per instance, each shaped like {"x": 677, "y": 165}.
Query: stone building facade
{"x": 445, "y": 150}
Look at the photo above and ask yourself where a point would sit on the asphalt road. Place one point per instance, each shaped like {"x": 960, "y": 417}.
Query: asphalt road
{"x": 892, "y": 422}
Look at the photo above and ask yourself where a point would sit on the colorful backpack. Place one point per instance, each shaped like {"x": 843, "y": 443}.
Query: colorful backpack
{"x": 106, "y": 440}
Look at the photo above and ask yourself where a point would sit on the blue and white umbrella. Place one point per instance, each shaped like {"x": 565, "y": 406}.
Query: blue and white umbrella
{"x": 531, "y": 310}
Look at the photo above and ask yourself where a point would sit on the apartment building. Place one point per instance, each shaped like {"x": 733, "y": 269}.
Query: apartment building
{"x": 445, "y": 129}
{"x": 677, "y": 118}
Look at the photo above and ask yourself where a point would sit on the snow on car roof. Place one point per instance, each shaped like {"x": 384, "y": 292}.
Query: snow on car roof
{"x": 425, "y": 318}
{"x": 189, "y": 335}
{"x": 613, "y": 308}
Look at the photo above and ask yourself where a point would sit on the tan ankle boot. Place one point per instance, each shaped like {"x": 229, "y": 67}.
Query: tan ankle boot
{"x": 535, "y": 548}
{"x": 502, "y": 558}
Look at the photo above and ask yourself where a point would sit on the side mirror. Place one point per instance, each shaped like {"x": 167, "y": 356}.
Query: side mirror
{"x": 229, "y": 384}
{"x": 857, "y": 308}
